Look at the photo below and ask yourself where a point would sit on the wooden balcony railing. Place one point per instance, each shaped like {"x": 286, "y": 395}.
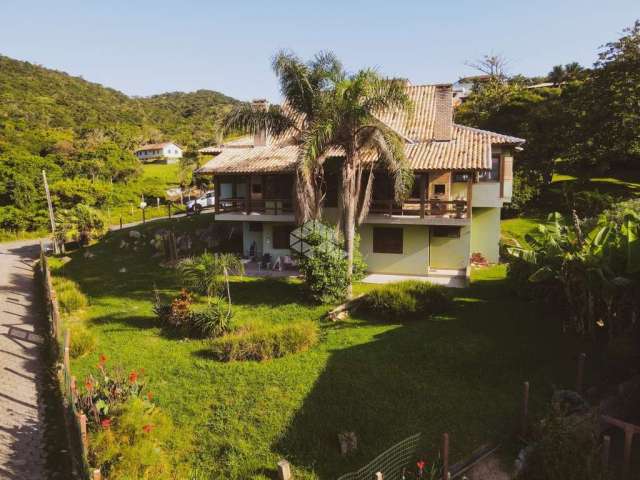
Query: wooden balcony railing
{"x": 428, "y": 208}
{"x": 269, "y": 206}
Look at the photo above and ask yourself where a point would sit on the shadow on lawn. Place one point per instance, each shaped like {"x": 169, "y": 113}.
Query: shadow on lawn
{"x": 459, "y": 374}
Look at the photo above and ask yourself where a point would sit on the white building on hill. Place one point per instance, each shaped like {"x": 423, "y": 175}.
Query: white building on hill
{"x": 166, "y": 152}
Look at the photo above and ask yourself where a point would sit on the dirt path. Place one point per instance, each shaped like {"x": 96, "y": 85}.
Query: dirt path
{"x": 21, "y": 413}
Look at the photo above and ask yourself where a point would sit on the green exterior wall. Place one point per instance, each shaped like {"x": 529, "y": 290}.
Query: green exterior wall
{"x": 414, "y": 258}
{"x": 485, "y": 233}
{"x": 450, "y": 253}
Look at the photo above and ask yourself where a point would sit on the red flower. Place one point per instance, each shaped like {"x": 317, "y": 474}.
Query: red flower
{"x": 88, "y": 384}
{"x": 106, "y": 423}
{"x": 133, "y": 377}
{"x": 149, "y": 396}
{"x": 421, "y": 464}
{"x": 102, "y": 360}
{"x": 147, "y": 428}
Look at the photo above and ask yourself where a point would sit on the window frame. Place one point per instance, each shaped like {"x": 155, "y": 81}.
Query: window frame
{"x": 276, "y": 238}
{"x": 494, "y": 174}
{"x": 445, "y": 231}
{"x": 388, "y": 245}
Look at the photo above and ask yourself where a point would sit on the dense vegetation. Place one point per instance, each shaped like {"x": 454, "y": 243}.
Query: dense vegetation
{"x": 586, "y": 124}
{"x": 84, "y": 135}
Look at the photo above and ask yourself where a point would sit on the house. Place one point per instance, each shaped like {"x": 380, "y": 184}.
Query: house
{"x": 463, "y": 176}
{"x": 166, "y": 152}
{"x": 241, "y": 142}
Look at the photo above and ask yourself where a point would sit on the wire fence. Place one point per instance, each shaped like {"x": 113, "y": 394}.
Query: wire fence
{"x": 390, "y": 463}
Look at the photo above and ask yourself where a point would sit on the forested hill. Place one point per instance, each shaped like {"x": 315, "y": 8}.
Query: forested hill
{"x": 34, "y": 97}
{"x": 84, "y": 134}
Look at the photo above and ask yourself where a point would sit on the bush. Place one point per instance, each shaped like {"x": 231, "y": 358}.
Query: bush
{"x": 82, "y": 341}
{"x": 408, "y": 299}
{"x": 565, "y": 448}
{"x": 212, "y": 321}
{"x": 134, "y": 443}
{"x": 70, "y": 298}
{"x": 325, "y": 274}
{"x": 180, "y": 315}
{"x": 262, "y": 342}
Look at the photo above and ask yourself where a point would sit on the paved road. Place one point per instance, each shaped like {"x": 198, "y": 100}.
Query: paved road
{"x": 21, "y": 372}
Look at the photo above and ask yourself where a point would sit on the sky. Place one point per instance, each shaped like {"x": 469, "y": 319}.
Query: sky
{"x": 146, "y": 47}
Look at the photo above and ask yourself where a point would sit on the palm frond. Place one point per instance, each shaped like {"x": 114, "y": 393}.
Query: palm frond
{"x": 249, "y": 119}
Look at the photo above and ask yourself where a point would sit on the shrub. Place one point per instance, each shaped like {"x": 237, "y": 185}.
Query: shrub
{"x": 212, "y": 321}
{"x": 565, "y": 448}
{"x": 82, "y": 341}
{"x": 180, "y": 315}
{"x": 134, "y": 443}
{"x": 408, "y": 299}
{"x": 325, "y": 274}
{"x": 262, "y": 342}
{"x": 70, "y": 298}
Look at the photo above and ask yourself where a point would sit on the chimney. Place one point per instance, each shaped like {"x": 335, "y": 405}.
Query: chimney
{"x": 443, "y": 127}
{"x": 261, "y": 137}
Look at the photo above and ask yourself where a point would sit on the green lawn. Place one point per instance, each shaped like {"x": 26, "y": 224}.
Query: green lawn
{"x": 461, "y": 374}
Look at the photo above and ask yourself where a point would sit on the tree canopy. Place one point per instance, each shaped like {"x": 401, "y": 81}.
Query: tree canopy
{"x": 84, "y": 134}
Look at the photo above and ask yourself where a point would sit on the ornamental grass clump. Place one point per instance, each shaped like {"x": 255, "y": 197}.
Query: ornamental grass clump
{"x": 70, "y": 298}
{"x": 410, "y": 299}
{"x": 262, "y": 341}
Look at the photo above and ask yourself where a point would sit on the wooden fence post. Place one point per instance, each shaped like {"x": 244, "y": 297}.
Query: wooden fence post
{"x": 67, "y": 342}
{"x": 445, "y": 456}
{"x": 580, "y": 377}
{"x": 284, "y": 470}
{"x": 606, "y": 448}
{"x": 525, "y": 409}
{"x": 626, "y": 466}
{"x": 82, "y": 423}
{"x": 120, "y": 222}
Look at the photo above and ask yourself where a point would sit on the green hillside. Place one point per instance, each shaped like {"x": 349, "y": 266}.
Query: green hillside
{"x": 83, "y": 134}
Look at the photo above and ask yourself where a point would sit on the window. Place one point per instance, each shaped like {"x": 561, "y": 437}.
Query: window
{"x": 492, "y": 175}
{"x": 387, "y": 240}
{"x": 439, "y": 189}
{"x": 462, "y": 177}
{"x": 256, "y": 188}
{"x": 255, "y": 226}
{"x": 446, "y": 232}
{"x": 281, "y": 236}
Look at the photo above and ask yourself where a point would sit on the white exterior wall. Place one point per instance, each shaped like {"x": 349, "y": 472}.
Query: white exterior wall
{"x": 169, "y": 153}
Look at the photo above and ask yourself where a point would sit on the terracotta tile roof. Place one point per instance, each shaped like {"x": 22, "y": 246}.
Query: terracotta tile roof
{"x": 155, "y": 146}
{"x": 241, "y": 142}
{"x": 462, "y": 148}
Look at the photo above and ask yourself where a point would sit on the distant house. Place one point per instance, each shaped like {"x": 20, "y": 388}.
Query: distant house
{"x": 166, "y": 152}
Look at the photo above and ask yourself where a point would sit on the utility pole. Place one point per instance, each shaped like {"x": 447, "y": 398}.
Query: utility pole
{"x": 51, "y": 217}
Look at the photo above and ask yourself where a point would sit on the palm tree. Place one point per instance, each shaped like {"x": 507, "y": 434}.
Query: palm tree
{"x": 209, "y": 274}
{"x": 346, "y": 122}
{"x": 557, "y": 75}
{"x": 302, "y": 85}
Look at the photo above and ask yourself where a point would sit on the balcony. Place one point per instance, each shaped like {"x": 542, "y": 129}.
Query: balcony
{"x": 270, "y": 209}
{"x": 416, "y": 211}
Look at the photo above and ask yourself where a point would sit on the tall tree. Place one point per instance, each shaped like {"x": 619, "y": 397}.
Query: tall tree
{"x": 346, "y": 121}
{"x": 302, "y": 85}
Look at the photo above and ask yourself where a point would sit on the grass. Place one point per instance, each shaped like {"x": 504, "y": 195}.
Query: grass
{"x": 461, "y": 373}
{"x": 621, "y": 185}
